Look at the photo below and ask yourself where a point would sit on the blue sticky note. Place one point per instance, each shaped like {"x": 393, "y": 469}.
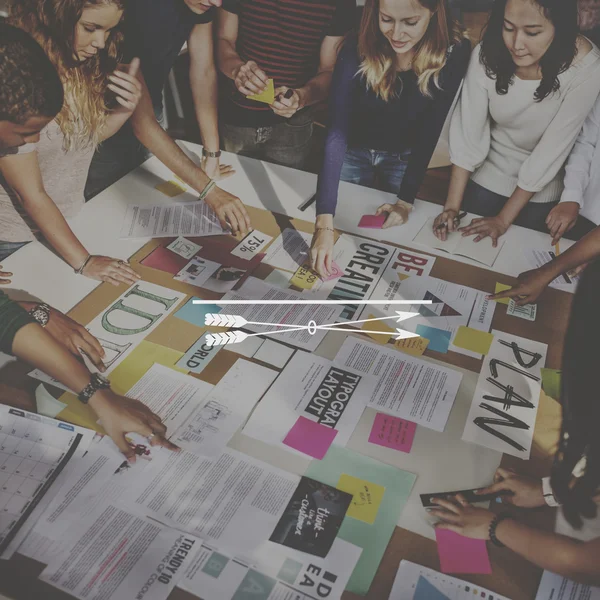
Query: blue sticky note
{"x": 195, "y": 313}
{"x": 427, "y": 591}
{"x": 439, "y": 339}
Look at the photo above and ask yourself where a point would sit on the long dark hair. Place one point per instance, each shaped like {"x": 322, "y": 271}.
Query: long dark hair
{"x": 498, "y": 62}
{"x": 581, "y": 406}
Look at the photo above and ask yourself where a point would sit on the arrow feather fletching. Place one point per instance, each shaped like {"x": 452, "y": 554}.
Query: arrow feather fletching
{"x": 223, "y": 339}
{"x": 219, "y": 320}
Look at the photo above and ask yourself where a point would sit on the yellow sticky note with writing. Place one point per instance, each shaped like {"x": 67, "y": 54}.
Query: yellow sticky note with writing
{"x": 500, "y": 287}
{"x": 386, "y": 331}
{"x": 267, "y": 95}
{"x": 170, "y": 188}
{"x": 413, "y": 346}
{"x": 366, "y": 497}
{"x": 473, "y": 340}
{"x": 304, "y": 278}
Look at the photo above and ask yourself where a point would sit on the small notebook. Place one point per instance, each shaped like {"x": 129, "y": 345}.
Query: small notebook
{"x": 482, "y": 252}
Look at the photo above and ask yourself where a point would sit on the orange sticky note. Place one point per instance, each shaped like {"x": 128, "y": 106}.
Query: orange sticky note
{"x": 500, "y": 287}
{"x": 267, "y": 95}
{"x": 386, "y": 331}
{"x": 170, "y": 188}
{"x": 413, "y": 346}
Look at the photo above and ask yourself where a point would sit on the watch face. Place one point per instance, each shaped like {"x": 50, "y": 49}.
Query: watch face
{"x": 41, "y": 315}
{"x": 100, "y": 381}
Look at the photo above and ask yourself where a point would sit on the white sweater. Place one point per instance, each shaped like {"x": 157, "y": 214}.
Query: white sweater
{"x": 582, "y": 172}
{"x": 512, "y": 140}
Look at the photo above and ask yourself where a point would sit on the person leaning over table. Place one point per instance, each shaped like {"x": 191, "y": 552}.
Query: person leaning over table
{"x": 23, "y": 337}
{"x": 155, "y": 31}
{"x": 530, "y": 85}
{"x": 296, "y": 45}
{"x": 392, "y": 89}
{"x": 574, "y": 482}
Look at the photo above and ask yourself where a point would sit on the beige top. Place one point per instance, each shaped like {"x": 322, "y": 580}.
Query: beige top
{"x": 513, "y": 140}
{"x": 64, "y": 175}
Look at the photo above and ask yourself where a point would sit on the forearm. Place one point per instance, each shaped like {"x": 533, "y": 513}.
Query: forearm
{"x": 324, "y": 221}
{"x": 228, "y": 59}
{"x": 514, "y": 205}
{"x": 205, "y": 94}
{"x": 585, "y": 250}
{"x": 456, "y": 190}
{"x": 114, "y": 122}
{"x": 316, "y": 90}
{"x": 559, "y": 554}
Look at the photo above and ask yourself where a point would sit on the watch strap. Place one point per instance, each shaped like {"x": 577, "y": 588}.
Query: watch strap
{"x": 41, "y": 313}
{"x": 549, "y": 497}
{"x": 494, "y": 525}
{"x": 96, "y": 383}
{"x": 208, "y": 154}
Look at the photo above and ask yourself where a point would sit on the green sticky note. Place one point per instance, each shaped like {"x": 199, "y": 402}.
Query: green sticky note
{"x": 551, "y": 383}
{"x": 473, "y": 339}
{"x": 373, "y": 538}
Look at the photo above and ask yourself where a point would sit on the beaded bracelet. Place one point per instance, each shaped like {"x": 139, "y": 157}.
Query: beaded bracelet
{"x": 494, "y": 525}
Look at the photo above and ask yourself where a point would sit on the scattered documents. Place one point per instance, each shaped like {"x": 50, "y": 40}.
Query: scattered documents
{"x": 185, "y": 248}
{"x": 252, "y": 244}
{"x": 556, "y": 587}
{"x": 392, "y": 432}
{"x": 406, "y": 387}
{"x": 191, "y": 219}
{"x": 506, "y": 399}
{"x": 459, "y": 554}
{"x": 527, "y": 311}
{"x": 482, "y": 252}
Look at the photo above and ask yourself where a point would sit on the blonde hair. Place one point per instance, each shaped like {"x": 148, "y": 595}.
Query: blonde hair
{"x": 378, "y": 66}
{"x": 53, "y": 23}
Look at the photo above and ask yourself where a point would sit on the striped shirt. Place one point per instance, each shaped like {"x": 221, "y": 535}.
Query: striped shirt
{"x": 284, "y": 38}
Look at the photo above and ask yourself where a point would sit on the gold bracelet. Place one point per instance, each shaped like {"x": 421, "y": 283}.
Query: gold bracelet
{"x": 79, "y": 271}
{"x": 324, "y": 229}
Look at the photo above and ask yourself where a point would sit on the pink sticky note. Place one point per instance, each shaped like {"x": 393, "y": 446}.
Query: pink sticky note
{"x": 310, "y": 437}
{"x": 372, "y": 221}
{"x": 393, "y": 432}
{"x": 459, "y": 554}
{"x": 336, "y": 272}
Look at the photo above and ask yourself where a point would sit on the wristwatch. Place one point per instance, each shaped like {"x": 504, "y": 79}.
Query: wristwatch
{"x": 549, "y": 497}
{"x": 97, "y": 382}
{"x": 208, "y": 154}
{"x": 41, "y": 313}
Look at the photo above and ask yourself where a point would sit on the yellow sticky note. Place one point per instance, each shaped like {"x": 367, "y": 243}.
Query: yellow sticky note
{"x": 500, "y": 287}
{"x": 473, "y": 340}
{"x": 267, "y": 95}
{"x": 170, "y": 188}
{"x": 367, "y": 497}
{"x": 386, "y": 331}
{"x": 402, "y": 276}
{"x": 304, "y": 278}
{"x": 413, "y": 346}
{"x": 131, "y": 370}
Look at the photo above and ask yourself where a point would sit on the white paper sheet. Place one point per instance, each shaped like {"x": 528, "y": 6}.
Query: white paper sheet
{"x": 184, "y": 247}
{"x": 407, "y": 579}
{"x": 407, "y": 387}
{"x": 252, "y": 244}
{"x": 274, "y": 353}
{"x": 289, "y": 251}
{"x": 197, "y": 271}
{"x": 233, "y": 501}
{"x": 255, "y": 289}
{"x": 116, "y": 554}
{"x": 198, "y": 356}
{"x": 494, "y": 423}
{"x": 173, "y": 396}
{"x": 191, "y": 219}
{"x": 556, "y": 587}
{"x": 315, "y": 388}
{"x": 537, "y": 258}
{"x": 276, "y": 571}
{"x": 208, "y": 430}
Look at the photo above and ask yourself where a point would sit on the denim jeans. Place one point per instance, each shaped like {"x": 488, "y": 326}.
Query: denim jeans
{"x": 481, "y": 201}
{"x": 288, "y": 143}
{"x": 375, "y": 168}
{"x": 8, "y": 248}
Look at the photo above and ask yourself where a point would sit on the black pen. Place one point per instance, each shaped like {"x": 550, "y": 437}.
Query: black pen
{"x": 456, "y": 220}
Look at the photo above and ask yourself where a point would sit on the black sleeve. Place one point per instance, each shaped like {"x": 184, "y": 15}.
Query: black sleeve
{"x": 232, "y": 6}
{"x": 433, "y": 121}
{"x": 206, "y": 17}
{"x": 344, "y": 18}
{"x": 12, "y": 318}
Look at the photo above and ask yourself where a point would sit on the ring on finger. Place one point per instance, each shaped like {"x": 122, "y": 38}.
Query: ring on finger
{"x": 151, "y": 436}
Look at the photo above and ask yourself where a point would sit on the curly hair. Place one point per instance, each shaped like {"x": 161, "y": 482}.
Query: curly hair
{"x": 581, "y": 410}
{"x": 378, "y": 65}
{"x": 30, "y": 85}
{"x": 53, "y": 24}
{"x": 498, "y": 62}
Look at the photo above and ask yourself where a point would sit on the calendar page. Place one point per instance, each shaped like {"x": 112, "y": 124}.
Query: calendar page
{"x": 33, "y": 452}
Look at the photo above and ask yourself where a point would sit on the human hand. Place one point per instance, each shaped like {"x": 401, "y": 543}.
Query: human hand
{"x": 216, "y": 171}
{"x": 120, "y": 415}
{"x": 287, "y": 102}
{"x": 126, "y": 86}
{"x": 463, "y": 518}
{"x": 249, "y": 79}
{"x": 4, "y": 275}
{"x": 444, "y": 223}
{"x": 75, "y": 337}
{"x": 525, "y": 492}
{"x": 483, "y": 227}
{"x": 230, "y": 211}
{"x": 397, "y": 213}
{"x": 321, "y": 252}
{"x": 111, "y": 270}
{"x": 528, "y": 289}
{"x": 562, "y": 218}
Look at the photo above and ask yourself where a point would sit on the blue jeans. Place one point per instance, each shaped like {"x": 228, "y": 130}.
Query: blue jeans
{"x": 481, "y": 201}
{"x": 8, "y": 248}
{"x": 375, "y": 168}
